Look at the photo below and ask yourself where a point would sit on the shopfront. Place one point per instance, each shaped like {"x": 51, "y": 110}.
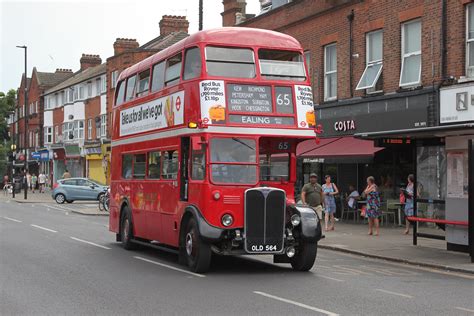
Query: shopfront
{"x": 94, "y": 163}
{"x": 75, "y": 162}
{"x": 58, "y": 164}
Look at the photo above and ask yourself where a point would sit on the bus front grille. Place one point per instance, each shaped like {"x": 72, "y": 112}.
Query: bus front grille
{"x": 264, "y": 220}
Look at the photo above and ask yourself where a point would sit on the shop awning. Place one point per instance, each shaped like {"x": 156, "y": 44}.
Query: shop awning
{"x": 337, "y": 147}
{"x": 72, "y": 151}
{"x": 93, "y": 150}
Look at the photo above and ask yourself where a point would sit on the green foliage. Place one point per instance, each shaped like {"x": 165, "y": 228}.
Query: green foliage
{"x": 7, "y": 105}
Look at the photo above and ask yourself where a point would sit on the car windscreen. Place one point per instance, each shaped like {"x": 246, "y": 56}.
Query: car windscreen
{"x": 281, "y": 65}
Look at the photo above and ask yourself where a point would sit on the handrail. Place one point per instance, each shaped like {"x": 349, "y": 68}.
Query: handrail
{"x": 440, "y": 221}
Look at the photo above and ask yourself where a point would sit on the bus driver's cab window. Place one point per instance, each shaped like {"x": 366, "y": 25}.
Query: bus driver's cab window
{"x": 192, "y": 63}
{"x": 198, "y": 160}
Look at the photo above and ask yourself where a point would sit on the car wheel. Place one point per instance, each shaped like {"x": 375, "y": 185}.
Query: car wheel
{"x": 304, "y": 257}
{"x": 196, "y": 251}
{"x": 60, "y": 198}
{"x": 126, "y": 230}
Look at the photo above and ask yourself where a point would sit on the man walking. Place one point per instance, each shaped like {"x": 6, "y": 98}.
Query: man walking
{"x": 312, "y": 195}
{"x": 42, "y": 182}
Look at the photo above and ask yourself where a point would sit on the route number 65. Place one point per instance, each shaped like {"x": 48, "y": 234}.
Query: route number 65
{"x": 283, "y": 99}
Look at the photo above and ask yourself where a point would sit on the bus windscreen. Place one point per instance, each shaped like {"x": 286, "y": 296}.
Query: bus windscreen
{"x": 230, "y": 62}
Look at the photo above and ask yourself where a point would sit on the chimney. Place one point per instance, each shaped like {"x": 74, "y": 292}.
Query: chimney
{"x": 61, "y": 70}
{"x": 123, "y": 44}
{"x": 231, "y": 10}
{"x": 88, "y": 60}
{"x": 173, "y": 23}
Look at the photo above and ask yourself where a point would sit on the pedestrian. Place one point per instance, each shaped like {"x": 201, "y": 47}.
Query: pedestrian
{"x": 42, "y": 182}
{"x": 330, "y": 191}
{"x": 34, "y": 182}
{"x": 373, "y": 205}
{"x": 66, "y": 174}
{"x": 312, "y": 195}
{"x": 409, "y": 193}
{"x": 28, "y": 180}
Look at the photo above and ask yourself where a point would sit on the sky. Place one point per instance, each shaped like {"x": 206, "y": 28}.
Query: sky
{"x": 57, "y": 33}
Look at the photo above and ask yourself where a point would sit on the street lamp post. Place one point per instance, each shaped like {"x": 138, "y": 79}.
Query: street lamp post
{"x": 25, "y": 183}
{"x": 13, "y": 148}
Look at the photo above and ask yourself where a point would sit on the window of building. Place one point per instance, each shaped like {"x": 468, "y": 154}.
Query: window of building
{"x": 143, "y": 82}
{"x": 411, "y": 54}
{"x": 139, "y": 165}
{"x": 470, "y": 41}
{"x": 48, "y": 135}
{"x": 374, "y": 61}
{"x": 154, "y": 165}
{"x": 71, "y": 94}
{"x": 121, "y": 93}
{"x": 104, "y": 84}
{"x": 127, "y": 166}
{"x": 103, "y": 125}
{"x": 113, "y": 79}
{"x": 330, "y": 72}
{"x": 192, "y": 63}
{"x": 56, "y": 133}
{"x": 89, "y": 129}
{"x": 169, "y": 168}
{"x": 36, "y": 107}
{"x": 89, "y": 89}
{"x": 130, "y": 88}
{"x": 307, "y": 57}
{"x": 230, "y": 62}
{"x": 173, "y": 70}
{"x": 98, "y": 86}
{"x": 81, "y": 92}
{"x": 158, "y": 80}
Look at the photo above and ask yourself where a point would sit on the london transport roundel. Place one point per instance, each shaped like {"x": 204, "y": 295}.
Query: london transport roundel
{"x": 205, "y": 120}
{"x": 303, "y": 124}
{"x": 178, "y": 103}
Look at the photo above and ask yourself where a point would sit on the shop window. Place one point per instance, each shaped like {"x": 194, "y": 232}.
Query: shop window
{"x": 143, "y": 82}
{"x": 130, "y": 88}
{"x": 374, "y": 62}
{"x": 139, "y": 165}
{"x": 169, "y": 168}
{"x": 411, "y": 54}
{"x": 173, "y": 70}
{"x": 470, "y": 41}
{"x": 192, "y": 65}
{"x": 330, "y": 72}
{"x": 158, "y": 80}
{"x": 154, "y": 162}
{"x": 127, "y": 166}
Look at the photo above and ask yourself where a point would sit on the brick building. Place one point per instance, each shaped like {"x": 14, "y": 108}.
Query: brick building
{"x": 383, "y": 70}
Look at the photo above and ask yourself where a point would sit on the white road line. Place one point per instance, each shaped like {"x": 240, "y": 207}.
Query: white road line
{"x": 43, "y": 228}
{"x": 90, "y": 243}
{"x": 312, "y": 308}
{"x": 394, "y": 293}
{"x": 465, "y": 309}
{"x": 329, "y": 278}
{"x": 12, "y": 219}
{"x": 170, "y": 267}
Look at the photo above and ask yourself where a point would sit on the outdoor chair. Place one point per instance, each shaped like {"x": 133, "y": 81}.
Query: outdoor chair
{"x": 346, "y": 210}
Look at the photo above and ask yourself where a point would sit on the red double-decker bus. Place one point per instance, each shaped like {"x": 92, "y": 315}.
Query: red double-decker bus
{"x": 203, "y": 149}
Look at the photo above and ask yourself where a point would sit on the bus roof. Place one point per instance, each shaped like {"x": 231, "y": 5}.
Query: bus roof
{"x": 231, "y": 36}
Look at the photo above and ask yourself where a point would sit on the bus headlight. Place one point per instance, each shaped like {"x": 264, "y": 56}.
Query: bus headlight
{"x": 227, "y": 220}
{"x": 290, "y": 252}
{"x": 216, "y": 195}
{"x": 295, "y": 220}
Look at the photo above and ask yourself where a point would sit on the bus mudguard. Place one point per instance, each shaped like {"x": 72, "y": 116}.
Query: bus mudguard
{"x": 310, "y": 223}
{"x": 208, "y": 232}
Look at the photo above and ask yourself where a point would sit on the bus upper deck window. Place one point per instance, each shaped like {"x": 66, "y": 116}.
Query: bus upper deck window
{"x": 120, "y": 93}
{"x": 230, "y": 62}
{"x": 192, "y": 63}
{"x": 281, "y": 65}
{"x": 130, "y": 88}
{"x": 158, "y": 79}
{"x": 173, "y": 70}
{"x": 143, "y": 82}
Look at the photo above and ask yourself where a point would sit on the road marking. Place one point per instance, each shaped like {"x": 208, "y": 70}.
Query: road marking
{"x": 43, "y": 228}
{"x": 12, "y": 219}
{"x": 312, "y": 308}
{"x": 465, "y": 309}
{"x": 90, "y": 243}
{"x": 329, "y": 278}
{"x": 170, "y": 267}
{"x": 394, "y": 293}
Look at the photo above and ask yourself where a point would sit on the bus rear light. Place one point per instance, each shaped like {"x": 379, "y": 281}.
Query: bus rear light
{"x": 216, "y": 195}
{"x": 227, "y": 220}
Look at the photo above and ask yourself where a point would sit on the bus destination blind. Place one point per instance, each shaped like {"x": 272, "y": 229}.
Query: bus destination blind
{"x": 249, "y": 98}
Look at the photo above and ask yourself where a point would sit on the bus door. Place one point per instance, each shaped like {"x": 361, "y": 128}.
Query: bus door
{"x": 170, "y": 193}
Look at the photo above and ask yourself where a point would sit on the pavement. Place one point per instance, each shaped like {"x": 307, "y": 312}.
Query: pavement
{"x": 57, "y": 262}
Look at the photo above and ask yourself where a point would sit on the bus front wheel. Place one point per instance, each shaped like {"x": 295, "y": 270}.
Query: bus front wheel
{"x": 196, "y": 251}
{"x": 126, "y": 230}
{"x": 304, "y": 257}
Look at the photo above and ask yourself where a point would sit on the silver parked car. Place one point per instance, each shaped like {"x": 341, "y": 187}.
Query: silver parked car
{"x": 77, "y": 189}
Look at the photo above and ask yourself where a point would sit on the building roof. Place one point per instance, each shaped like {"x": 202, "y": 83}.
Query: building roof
{"x": 50, "y": 79}
{"x": 79, "y": 77}
{"x": 163, "y": 41}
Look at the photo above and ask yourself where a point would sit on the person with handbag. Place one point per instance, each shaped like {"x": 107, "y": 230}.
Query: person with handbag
{"x": 330, "y": 191}
{"x": 372, "y": 211}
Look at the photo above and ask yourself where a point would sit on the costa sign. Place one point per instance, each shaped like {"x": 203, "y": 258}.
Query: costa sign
{"x": 343, "y": 126}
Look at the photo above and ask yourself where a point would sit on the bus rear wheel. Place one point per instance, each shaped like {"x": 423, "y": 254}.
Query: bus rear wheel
{"x": 304, "y": 257}
{"x": 197, "y": 252}
{"x": 126, "y": 230}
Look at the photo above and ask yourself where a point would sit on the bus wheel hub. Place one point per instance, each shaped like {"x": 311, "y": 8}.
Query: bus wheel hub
{"x": 189, "y": 244}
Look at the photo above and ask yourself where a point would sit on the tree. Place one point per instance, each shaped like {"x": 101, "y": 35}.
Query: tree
{"x": 7, "y": 105}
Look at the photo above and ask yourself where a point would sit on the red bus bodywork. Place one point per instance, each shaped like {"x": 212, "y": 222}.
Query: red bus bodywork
{"x": 160, "y": 206}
